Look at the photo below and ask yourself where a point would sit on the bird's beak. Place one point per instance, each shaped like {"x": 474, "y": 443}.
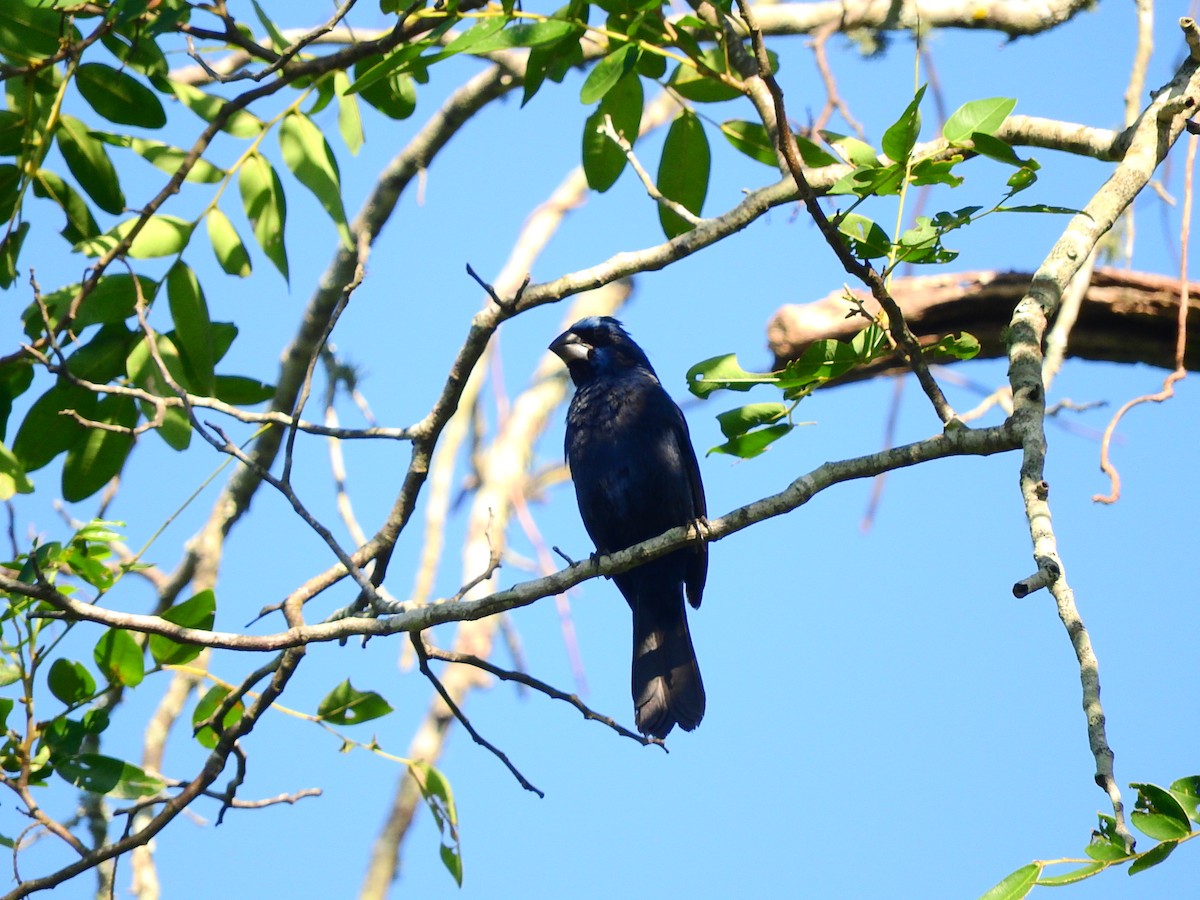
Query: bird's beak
{"x": 570, "y": 347}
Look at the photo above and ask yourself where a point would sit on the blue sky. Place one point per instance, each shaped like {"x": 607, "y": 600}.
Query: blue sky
{"x": 884, "y": 719}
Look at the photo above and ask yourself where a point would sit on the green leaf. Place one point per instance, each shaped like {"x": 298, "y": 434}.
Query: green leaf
{"x": 240, "y": 124}
{"x": 751, "y": 444}
{"x": 603, "y": 159}
{"x": 481, "y": 30}
{"x": 532, "y": 34}
{"x": 112, "y": 300}
{"x": 207, "y": 736}
{"x": 865, "y": 181}
{"x": 866, "y": 239}
{"x": 10, "y": 183}
{"x": 80, "y": 223}
{"x": 10, "y": 673}
{"x": 89, "y": 163}
{"x": 241, "y": 391}
{"x": 983, "y": 116}
{"x": 10, "y": 249}
{"x": 12, "y": 133}
{"x": 1016, "y": 885}
{"x": 164, "y": 157}
{"x": 1152, "y": 857}
{"x": 105, "y": 775}
{"x": 1106, "y": 845}
{"x": 349, "y": 118}
{"x": 278, "y": 41}
{"x": 963, "y": 347}
{"x": 1187, "y": 792}
{"x": 119, "y": 97}
{"x": 699, "y": 86}
{"x": 1040, "y": 208}
{"x": 45, "y": 433}
{"x": 1074, "y": 875}
{"x": 119, "y": 658}
{"x": 852, "y": 150}
{"x": 606, "y": 73}
{"x": 1159, "y": 814}
{"x": 683, "y": 171}
{"x": 724, "y": 373}
{"x": 198, "y": 612}
{"x": 740, "y": 420}
{"x": 160, "y": 236}
{"x": 941, "y": 171}
{"x": 29, "y": 33}
{"x": 311, "y": 160}
{"x": 227, "y": 244}
{"x": 70, "y": 681}
{"x": 6, "y": 704}
{"x": 393, "y": 93}
{"x": 901, "y": 136}
{"x": 994, "y": 148}
{"x": 752, "y": 139}
{"x": 266, "y": 208}
{"x": 345, "y": 705}
{"x": 193, "y": 328}
{"x": 92, "y": 462}
{"x": 13, "y": 479}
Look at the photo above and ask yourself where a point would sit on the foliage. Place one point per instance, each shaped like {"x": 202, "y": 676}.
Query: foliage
{"x": 91, "y": 88}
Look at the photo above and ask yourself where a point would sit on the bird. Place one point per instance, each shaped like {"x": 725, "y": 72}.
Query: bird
{"x": 635, "y": 474}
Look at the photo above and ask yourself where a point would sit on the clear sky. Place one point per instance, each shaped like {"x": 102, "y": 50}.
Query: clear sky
{"x": 884, "y": 718}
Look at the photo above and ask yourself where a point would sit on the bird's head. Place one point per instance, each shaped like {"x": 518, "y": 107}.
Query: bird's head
{"x": 597, "y": 346}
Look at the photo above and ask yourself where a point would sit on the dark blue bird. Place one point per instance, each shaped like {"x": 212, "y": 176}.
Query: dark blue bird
{"x": 636, "y": 476}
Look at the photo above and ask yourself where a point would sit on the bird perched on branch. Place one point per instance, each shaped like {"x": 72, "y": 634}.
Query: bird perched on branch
{"x": 636, "y": 476}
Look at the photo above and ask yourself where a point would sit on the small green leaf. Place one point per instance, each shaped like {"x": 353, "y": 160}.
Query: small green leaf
{"x": 311, "y": 160}
{"x": 105, "y": 775}
{"x": 901, "y": 136}
{"x": 45, "y": 432}
{"x": 607, "y": 73}
{"x": 89, "y": 163}
{"x": 10, "y": 673}
{"x": 119, "y": 658}
{"x": 164, "y": 157}
{"x": 266, "y": 208}
{"x": 1186, "y": 792}
{"x": 852, "y": 150}
{"x": 240, "y": 124}
{"x": 1152, "y": 857}
{"x": 345, "y": 705}
{"x": 160, "y": 236}
{"x": 1074, "y": 875}
{"x": 193, "y": 328}
{"x": 70, "y": 681}
{"x": 752, "y": 139}
{"x": 241, "y": 391}
{"x": 865, "y": 181}
{"x": 10, "y": 250}
{"x": 963, "y": 347}
{"x": 1159, "y": 814}
{"x": 349, "y": 117}
{"x": 939, "y": 171}
{"x": 683, "y": 171}
{"x": 603, "y": 159}
{"x": 1016, "y": 885}
{"x": 751, "y": 444}
{"x": 983, "y": 116}
{"x": 394, "y": 93}
{"x": 6, "y": 704}
{"x": 80, "y": 223}
{"x": 207, "y": 736}
{"x": 1040, "y": 208}
{"x": 738, "y": 421}
{"x": 724, "y": 373}
{"x": 994, "y": 148}
{"x": 867, "y": 240}
{"x": 198, "y": 612}
{"x": 532, "y": 34}
{"x": 278, "y": 41}
{"x": 13, "y": 479}
{"x": 119, "y": 97}
{"x": 227, "y": 244}
{"x": 1106, "y": 845}
{"x": 94, "y": 461}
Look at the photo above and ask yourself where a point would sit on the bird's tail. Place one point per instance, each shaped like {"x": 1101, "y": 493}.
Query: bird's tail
{"x": 667, "y": 690}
